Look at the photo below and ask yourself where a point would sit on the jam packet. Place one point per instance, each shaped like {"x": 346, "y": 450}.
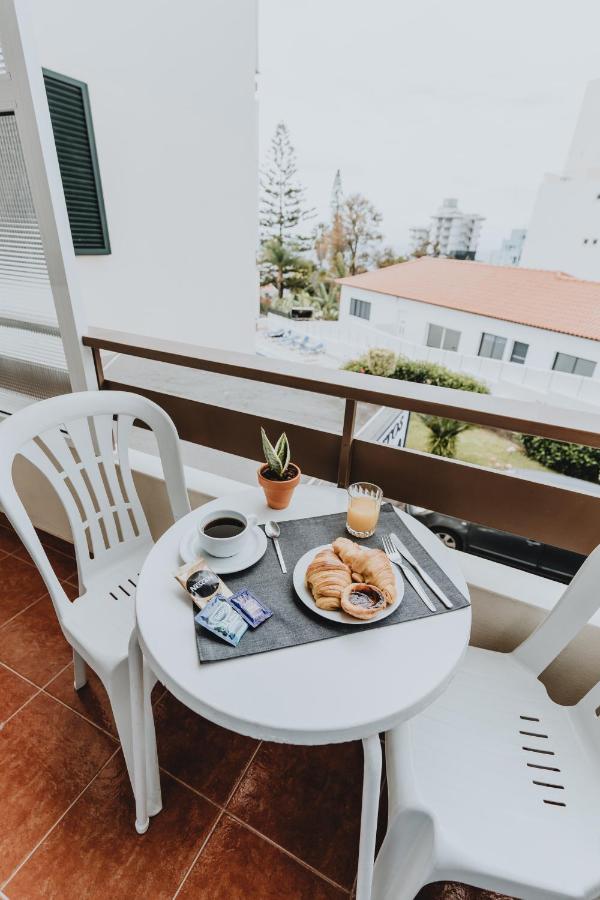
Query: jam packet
{"x": 200, "y": 582}
{"x": 222, "y": 620}
{"x": 249, "y": 607}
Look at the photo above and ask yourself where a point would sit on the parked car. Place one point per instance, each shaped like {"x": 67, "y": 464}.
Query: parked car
{"x": 510, "y": 549}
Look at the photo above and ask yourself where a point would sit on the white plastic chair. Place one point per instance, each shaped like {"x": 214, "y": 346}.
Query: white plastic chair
{"x": 80, "y": 443}
{"x": 495, "y": 785}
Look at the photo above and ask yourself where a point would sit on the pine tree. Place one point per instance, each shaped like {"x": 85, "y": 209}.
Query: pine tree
{"x": 282, "y": 206}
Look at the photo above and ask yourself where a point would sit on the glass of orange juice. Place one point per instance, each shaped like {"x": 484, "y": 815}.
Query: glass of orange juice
{"x": 364, "y": 501}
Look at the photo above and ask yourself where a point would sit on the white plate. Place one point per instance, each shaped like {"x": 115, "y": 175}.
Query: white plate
{"x": 338, "y": 615}
{"x": 253, "y": 550}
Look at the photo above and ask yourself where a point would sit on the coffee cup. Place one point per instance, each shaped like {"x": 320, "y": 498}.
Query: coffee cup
{"x": 225, "y": 531}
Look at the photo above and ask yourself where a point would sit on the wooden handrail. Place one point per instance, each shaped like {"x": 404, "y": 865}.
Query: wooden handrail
{"x": 482, "y": 409}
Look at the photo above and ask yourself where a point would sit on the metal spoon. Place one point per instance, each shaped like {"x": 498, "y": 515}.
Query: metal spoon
{"x": 273, "y": 531}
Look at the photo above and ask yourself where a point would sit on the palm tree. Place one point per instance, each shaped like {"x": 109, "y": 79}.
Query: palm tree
{"x": 444, "y": 434}
{"x": 282, "y": 267}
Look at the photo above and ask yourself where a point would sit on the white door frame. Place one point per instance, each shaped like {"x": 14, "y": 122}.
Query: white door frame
{"x": 23, "y": 93}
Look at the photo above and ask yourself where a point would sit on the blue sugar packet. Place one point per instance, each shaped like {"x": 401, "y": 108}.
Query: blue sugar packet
{"x": 222, "y": 620}
{"x": 249, "y": 607}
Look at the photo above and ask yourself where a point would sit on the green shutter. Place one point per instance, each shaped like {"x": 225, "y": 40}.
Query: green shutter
{"x": 69, "y": 104}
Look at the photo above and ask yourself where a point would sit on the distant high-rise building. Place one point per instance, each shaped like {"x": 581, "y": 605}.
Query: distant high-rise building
{"x": 451, "y": 233}
{"x": 510, "y": 250}
{"x": 455, "y": 233}
{"x": 564, "y": 232}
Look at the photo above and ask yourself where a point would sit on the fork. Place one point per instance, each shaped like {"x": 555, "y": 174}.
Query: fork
{"x": 393, "y": 556}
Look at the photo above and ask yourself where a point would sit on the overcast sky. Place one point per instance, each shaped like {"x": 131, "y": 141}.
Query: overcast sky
{"x": 416, "y": 101}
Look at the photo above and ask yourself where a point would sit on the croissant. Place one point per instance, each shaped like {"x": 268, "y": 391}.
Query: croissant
{"x": 326, "y": 577}
{"x": 368, "y": 566}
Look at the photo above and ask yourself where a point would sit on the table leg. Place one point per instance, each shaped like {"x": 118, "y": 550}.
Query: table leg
{"x": 369, "y": 813}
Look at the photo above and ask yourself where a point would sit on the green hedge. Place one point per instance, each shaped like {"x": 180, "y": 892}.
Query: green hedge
{"x": 385, "y": 362}
{"x": 569, "y": 459}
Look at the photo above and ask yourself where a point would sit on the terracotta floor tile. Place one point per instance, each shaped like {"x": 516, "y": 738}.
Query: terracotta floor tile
{"x": 91, "y": 700}
{"x": 20, "y": 585}
{"x": 9, "y": 542}
{"x": 95, "y": 852}
{"x": 64, "y": 566}
{"x": 307, "y": 799}
{"x": 14, "y": 691}
{"x": 33, "y": 644}
{"x": 48, "y": 756}
{"x": 205, "y": 756}
{"x": 238, "y": 865}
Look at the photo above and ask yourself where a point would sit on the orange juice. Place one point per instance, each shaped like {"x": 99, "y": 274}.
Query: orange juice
{"x": 363, "y": 513}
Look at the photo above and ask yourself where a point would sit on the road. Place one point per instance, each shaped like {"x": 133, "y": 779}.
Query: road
{"x": 286, "y": 404}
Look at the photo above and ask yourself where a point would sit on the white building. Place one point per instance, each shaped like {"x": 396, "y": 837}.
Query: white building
{"x": 543, "y": 320}
{"x": 564, "y": 232}
{"x": 453, "y": 232}
{"x": 509, "y": 253}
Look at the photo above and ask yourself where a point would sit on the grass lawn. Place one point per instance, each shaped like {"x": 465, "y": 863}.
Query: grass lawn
{"x": 481, "y": 446}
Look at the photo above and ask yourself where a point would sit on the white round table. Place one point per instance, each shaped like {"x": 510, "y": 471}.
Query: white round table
{"x": 300, "y": 694}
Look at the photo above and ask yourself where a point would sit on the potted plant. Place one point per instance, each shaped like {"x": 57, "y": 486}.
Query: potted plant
{"x": 278, "y": 477}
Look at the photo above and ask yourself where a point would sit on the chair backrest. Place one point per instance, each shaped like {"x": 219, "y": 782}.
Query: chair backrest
{"x": 80, "y": 443}
{"x": 580, "y": 600}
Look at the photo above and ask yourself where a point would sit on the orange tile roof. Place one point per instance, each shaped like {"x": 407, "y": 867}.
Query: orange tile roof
{"x": 552, "y": 300}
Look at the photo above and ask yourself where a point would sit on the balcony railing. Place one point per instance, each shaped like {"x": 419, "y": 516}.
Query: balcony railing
{"x": 543, "y": 512}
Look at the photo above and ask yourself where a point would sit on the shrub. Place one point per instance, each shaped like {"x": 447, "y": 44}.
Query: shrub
{"x": 569, "y": 459}
{"x": 420, "y": 371}
{"x": 443, "y": 434}
{"x": 432, "y": 373}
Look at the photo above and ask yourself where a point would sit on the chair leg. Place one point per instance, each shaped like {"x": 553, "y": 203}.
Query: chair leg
{"x": 405, "y": 862}
{"x": 79, "y": 671}
{"x": 370, "y": 809}
{"x": 153, "y": 792}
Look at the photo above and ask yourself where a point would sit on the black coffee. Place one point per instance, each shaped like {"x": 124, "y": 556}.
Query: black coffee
{"x": 223, "y": 528}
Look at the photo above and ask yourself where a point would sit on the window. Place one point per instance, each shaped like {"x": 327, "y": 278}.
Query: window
{"x": 575, "y": 365}
{"x": 444, "y": 338}
{"x": 360, "y": 308}
{"x": 71, "y": 118}
{"x": 519, "y": 352}
{"x": 492, "y": 346}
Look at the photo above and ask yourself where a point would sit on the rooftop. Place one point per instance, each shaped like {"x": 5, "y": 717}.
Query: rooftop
{"x": 551, "y": 300}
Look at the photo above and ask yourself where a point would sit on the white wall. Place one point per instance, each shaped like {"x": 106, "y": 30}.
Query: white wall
{"x": 410, "y": 319}
{"x": 172, "y": 90}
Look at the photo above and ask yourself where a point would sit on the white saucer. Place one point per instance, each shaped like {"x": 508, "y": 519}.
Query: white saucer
{"x": 338, "y": 615}
{"x": 253, "y": 550}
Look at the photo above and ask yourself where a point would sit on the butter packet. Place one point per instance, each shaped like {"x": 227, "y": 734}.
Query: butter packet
{"x": 222, "y": 620}
{"x": 200, "y": 582}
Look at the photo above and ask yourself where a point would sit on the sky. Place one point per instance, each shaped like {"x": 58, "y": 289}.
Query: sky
{"x": 414, "y": 102}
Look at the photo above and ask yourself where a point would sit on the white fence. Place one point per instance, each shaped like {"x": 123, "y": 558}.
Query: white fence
{"x": 347, "y": 340}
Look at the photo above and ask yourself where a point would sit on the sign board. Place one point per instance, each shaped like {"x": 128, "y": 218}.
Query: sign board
{"x": 396, "y": 430}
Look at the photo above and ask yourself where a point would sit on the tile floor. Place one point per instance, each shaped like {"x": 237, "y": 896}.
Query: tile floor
{"x": 241, "y": 819}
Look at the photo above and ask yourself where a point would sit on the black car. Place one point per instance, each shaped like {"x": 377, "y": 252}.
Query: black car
{"x": 510, "y": 549}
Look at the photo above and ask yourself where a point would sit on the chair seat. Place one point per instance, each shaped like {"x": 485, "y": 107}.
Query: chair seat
{"x": 508, "y": 780}
{"x": 102, "y": 619}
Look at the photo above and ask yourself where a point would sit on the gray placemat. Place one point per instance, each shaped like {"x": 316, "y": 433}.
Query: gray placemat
{"x": 292, "y": 623}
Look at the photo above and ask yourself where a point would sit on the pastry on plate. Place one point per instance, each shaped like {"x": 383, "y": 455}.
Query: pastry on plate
{"x": 369, "y": 566}
{"x": 363, "y": 601}
{"x": 326, "y": 578}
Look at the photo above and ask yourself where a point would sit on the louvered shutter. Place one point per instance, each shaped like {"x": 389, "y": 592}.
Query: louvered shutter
{"x": 70, "y": 113}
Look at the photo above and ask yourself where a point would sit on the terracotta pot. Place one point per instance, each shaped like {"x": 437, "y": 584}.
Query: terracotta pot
{"x": 278, "y": 493}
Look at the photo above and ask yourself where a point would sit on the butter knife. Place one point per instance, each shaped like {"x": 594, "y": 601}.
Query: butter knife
{"x": 405, "y": 552}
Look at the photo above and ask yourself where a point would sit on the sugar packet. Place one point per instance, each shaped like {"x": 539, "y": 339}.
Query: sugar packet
{"x": 201, "y": 582}
{"x": 249, "y": 607}
{"x": 222, "y": 620}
